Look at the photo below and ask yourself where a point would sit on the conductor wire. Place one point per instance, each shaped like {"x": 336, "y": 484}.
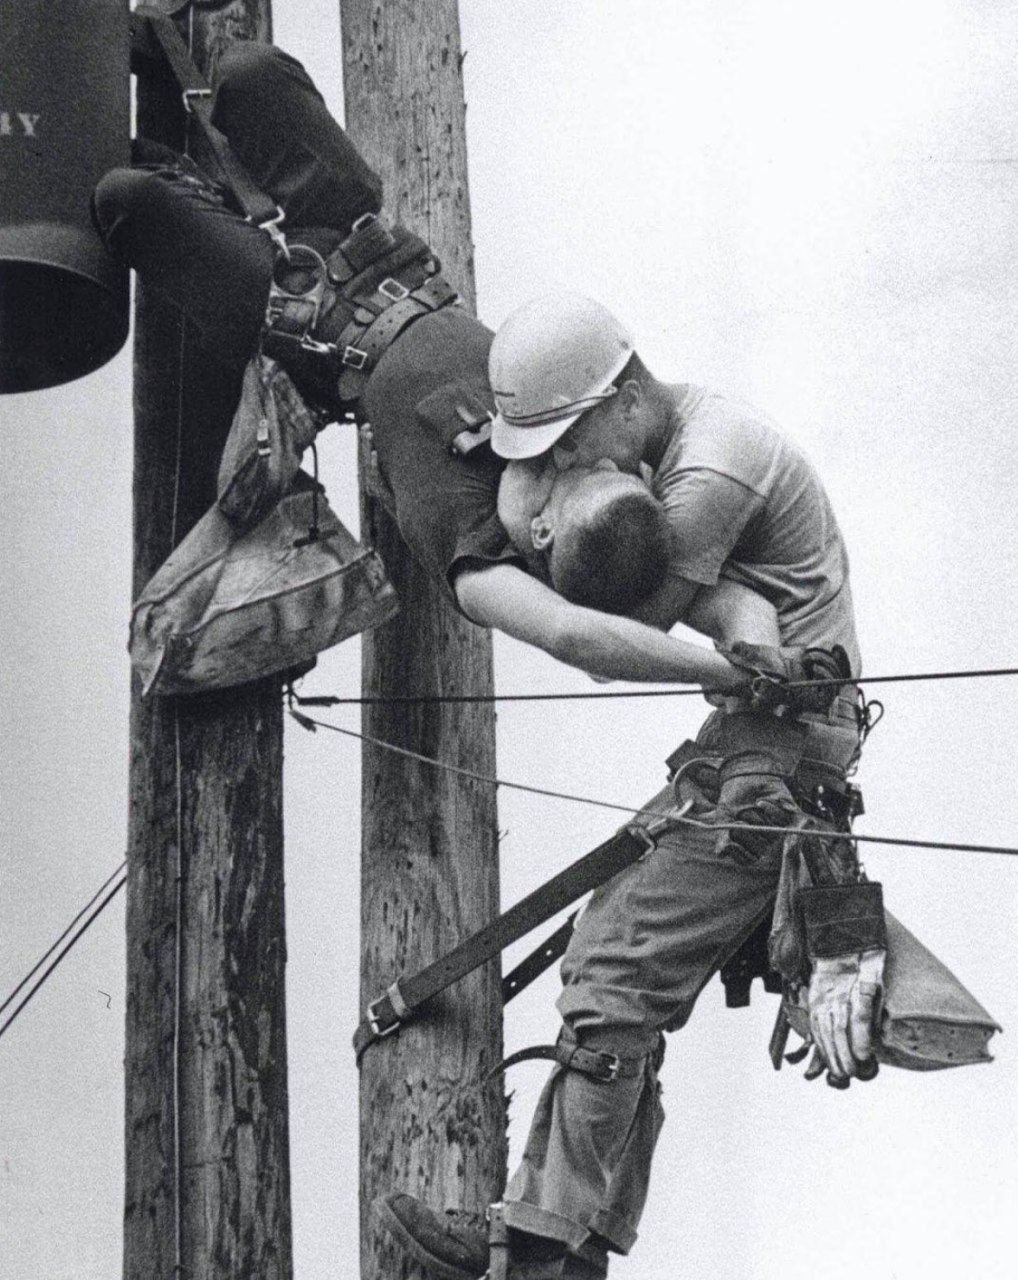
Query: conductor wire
{"x": 307, "y": 722}
{"x": 83, "y": 930}
{"x": 689, "y": 691}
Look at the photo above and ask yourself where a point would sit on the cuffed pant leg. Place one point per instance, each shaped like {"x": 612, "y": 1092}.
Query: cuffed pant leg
{"x": 196, "y": 253}
{"x": 281, "y": 130}
{"x": 644, "y": 949}
{"x": 626, "y": 1194}
{"x": 584, "y": 1133}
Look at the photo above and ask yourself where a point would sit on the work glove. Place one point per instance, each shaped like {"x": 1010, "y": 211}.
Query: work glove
{"x": 847, "y": 947}
{"x": 774, "y": 669}
{"x": 753, "y": 792}
{"x": 843, "y": 1003}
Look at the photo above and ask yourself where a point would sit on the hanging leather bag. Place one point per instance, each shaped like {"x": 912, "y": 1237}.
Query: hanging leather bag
{"x": 229, "y": 607}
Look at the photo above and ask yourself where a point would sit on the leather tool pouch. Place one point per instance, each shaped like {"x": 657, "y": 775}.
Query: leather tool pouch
{"x": 227, "y": 608}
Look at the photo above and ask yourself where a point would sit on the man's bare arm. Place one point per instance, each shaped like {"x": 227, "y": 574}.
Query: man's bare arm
{"x": 504, "y": 597}
{"x": 725, "y": 612}
{"x": 728, "y": 611}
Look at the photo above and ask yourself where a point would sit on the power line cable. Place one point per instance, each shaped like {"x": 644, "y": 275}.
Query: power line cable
{"x": 330, "y": 700}
{"x": 307, "y": 722}
{"x": 312, "y": 724}
{"x": 80, "y": 933}
{"x": 49, "y": 951}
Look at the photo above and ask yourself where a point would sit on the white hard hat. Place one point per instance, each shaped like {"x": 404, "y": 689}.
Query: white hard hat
{"x": 554, "y": 358}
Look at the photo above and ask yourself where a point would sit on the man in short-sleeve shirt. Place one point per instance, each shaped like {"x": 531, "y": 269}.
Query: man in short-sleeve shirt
{"x": 585, "y": 426}
{"x": 745, "y": 504}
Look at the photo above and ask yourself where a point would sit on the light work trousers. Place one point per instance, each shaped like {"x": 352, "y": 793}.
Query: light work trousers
{"x": 644, "y": 949}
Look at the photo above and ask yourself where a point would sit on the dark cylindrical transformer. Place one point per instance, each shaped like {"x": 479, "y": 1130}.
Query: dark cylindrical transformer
{"x": 64, "y": 120}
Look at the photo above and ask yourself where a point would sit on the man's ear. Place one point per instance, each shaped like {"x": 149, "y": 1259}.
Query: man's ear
{"x": 630, "y": 397}
{"x": 542, "y": 532}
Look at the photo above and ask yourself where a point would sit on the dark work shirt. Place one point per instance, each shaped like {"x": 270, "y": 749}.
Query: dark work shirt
{"x": 433, "y": 374}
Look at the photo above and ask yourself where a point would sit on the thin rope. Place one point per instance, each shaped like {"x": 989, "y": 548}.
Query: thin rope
{"x": 81, "y": 932}
{"x": 308, "y": 722}
{"x": 47, "y": 953}
{"x": 178, "y": 946}
{"x": 328, "y": 700}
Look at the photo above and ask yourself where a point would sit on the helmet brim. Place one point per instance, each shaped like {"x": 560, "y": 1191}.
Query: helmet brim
{"x": 516, "y": 443}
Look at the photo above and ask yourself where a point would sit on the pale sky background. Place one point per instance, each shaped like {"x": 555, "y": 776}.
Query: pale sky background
{"x": 814, "y": 207}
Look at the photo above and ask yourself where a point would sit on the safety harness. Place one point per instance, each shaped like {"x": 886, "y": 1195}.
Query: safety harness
{"x": 333, "y": 317}
{"x": 404, "y": 999}
{"x": 329, "y": 318}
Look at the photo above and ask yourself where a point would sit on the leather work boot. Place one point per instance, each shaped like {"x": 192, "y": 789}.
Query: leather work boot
{"x": 454, "y": 1245}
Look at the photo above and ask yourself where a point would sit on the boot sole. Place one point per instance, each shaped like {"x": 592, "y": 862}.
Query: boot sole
{"x": 394, "y": 1224}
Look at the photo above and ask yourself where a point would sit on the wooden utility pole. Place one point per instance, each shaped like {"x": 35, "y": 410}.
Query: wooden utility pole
{"x": 206, "y": 1118}
{"x": 429, "y": 840}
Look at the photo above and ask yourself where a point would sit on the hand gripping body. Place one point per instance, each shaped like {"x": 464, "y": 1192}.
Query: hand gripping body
{"x": 762, "y": 747}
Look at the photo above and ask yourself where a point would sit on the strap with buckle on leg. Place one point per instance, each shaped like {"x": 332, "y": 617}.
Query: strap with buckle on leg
{"x": 598, "y": 1064}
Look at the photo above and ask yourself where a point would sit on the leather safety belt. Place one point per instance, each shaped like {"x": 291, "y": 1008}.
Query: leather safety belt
{"x": 407, "y": 994}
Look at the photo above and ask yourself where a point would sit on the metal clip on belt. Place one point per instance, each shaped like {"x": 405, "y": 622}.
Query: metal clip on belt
{"x": 378, "y": 319}
{"x": 292, "y": 317}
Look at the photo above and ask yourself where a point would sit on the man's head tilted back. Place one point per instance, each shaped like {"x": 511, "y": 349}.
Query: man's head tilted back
{"x": 606, "y": 539}
{"x": 567, "y": 383}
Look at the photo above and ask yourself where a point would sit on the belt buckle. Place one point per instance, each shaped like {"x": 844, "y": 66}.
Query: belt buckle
{"x": 354, "y": 358}
{"x": 613, "y": 1066}
{"x": 393, "y": 290}
{"x": 188, "y": 96}
{"x": 373, "y": 1016}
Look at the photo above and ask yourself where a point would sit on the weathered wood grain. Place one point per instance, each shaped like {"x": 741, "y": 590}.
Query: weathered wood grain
{"x": 205, "y": 799}
{"x": 429, "y": 844}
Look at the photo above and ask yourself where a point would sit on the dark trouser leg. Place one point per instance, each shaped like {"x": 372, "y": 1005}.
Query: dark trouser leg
{"x": 195, "y": 252}
{"x": 281, "y": 130}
